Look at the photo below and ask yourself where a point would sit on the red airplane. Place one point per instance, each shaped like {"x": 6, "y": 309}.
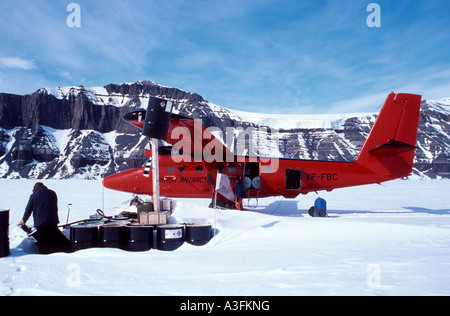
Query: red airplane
{"x": 189, "y": 169}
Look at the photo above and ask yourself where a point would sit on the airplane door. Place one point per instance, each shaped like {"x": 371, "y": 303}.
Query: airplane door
{"x": 293, "y": 179}
{"x": 252, "y": 176}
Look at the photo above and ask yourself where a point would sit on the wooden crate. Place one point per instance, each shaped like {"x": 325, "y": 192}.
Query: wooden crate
{"x": 153, "y": 218}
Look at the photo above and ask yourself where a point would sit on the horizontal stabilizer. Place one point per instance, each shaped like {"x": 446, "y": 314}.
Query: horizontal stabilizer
{"x": 391, "y": 148}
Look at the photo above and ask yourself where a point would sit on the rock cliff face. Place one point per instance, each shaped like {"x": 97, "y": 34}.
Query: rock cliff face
{"x": 77, "y": 132}
{"x": 42, "y": 108}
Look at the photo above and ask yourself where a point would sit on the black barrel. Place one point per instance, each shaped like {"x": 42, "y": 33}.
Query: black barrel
{"x": 84, "y": 236}
{"x": 157, "y": 118}
{"x": 4, "y": 233}
{"x": 110, "y": 235}
{"x": 169, "y": 237}
{"x": 137, "y": 238}
{"x": 198, "y": 234}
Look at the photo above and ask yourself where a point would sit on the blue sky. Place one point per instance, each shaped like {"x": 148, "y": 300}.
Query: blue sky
{"x": 281, "y": 56}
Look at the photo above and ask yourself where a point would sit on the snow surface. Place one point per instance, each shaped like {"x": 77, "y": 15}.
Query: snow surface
{"x": 292, "y": 121}
{"x": 379, "y": 240}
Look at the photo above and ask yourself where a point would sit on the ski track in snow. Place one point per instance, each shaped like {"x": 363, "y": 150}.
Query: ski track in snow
{"x": 379, "y": 240}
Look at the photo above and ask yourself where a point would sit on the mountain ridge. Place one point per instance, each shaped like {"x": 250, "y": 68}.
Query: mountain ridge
{"x": 77, "y": 132}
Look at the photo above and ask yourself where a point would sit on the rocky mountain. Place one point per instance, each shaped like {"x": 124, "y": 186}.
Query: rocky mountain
{"x": 77, "y": 132}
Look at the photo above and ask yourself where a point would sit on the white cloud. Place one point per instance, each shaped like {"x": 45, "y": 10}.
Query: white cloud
{"x": 16, "y": 63}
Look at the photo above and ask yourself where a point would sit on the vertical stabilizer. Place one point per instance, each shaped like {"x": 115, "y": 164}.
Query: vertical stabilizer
{"x": 390, "y": 147}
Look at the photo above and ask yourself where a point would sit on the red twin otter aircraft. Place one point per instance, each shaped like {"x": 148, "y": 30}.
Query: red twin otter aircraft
{"x": 190, "y": 168}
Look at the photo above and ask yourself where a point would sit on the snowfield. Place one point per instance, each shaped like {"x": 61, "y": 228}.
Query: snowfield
{"x": 306, "y": 121}
{"x": 379, "y": 240}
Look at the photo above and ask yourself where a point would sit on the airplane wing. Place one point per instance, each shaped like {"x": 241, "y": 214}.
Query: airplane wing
{"x": 196, "y": 140}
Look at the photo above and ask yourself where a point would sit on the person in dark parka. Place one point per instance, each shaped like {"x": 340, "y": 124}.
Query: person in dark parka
{"x": 43, "y": 204}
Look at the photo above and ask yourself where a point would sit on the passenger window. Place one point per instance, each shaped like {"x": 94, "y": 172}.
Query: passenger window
{"x": 199, "y": 169}
{"x": 170, "y": 170}
{"x": 181, "y": 170}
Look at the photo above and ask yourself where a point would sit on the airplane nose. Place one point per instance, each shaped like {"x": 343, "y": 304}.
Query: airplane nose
{"x": 131, "y": 181}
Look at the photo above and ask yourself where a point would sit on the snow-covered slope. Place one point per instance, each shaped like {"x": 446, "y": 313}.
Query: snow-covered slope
{"x": 379, "y": 240}
{"x": 98, "y": 96}
{"x": 299, "y": 121}
{"x": 135, "y": 94}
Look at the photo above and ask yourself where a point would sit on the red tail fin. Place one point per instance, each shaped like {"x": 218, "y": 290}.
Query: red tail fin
{"x": 390, "y": 147}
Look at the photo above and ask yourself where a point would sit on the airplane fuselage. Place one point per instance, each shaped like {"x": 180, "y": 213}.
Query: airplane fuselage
{"x": 292, "y": 177}
{"x": 387, "y": 154}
